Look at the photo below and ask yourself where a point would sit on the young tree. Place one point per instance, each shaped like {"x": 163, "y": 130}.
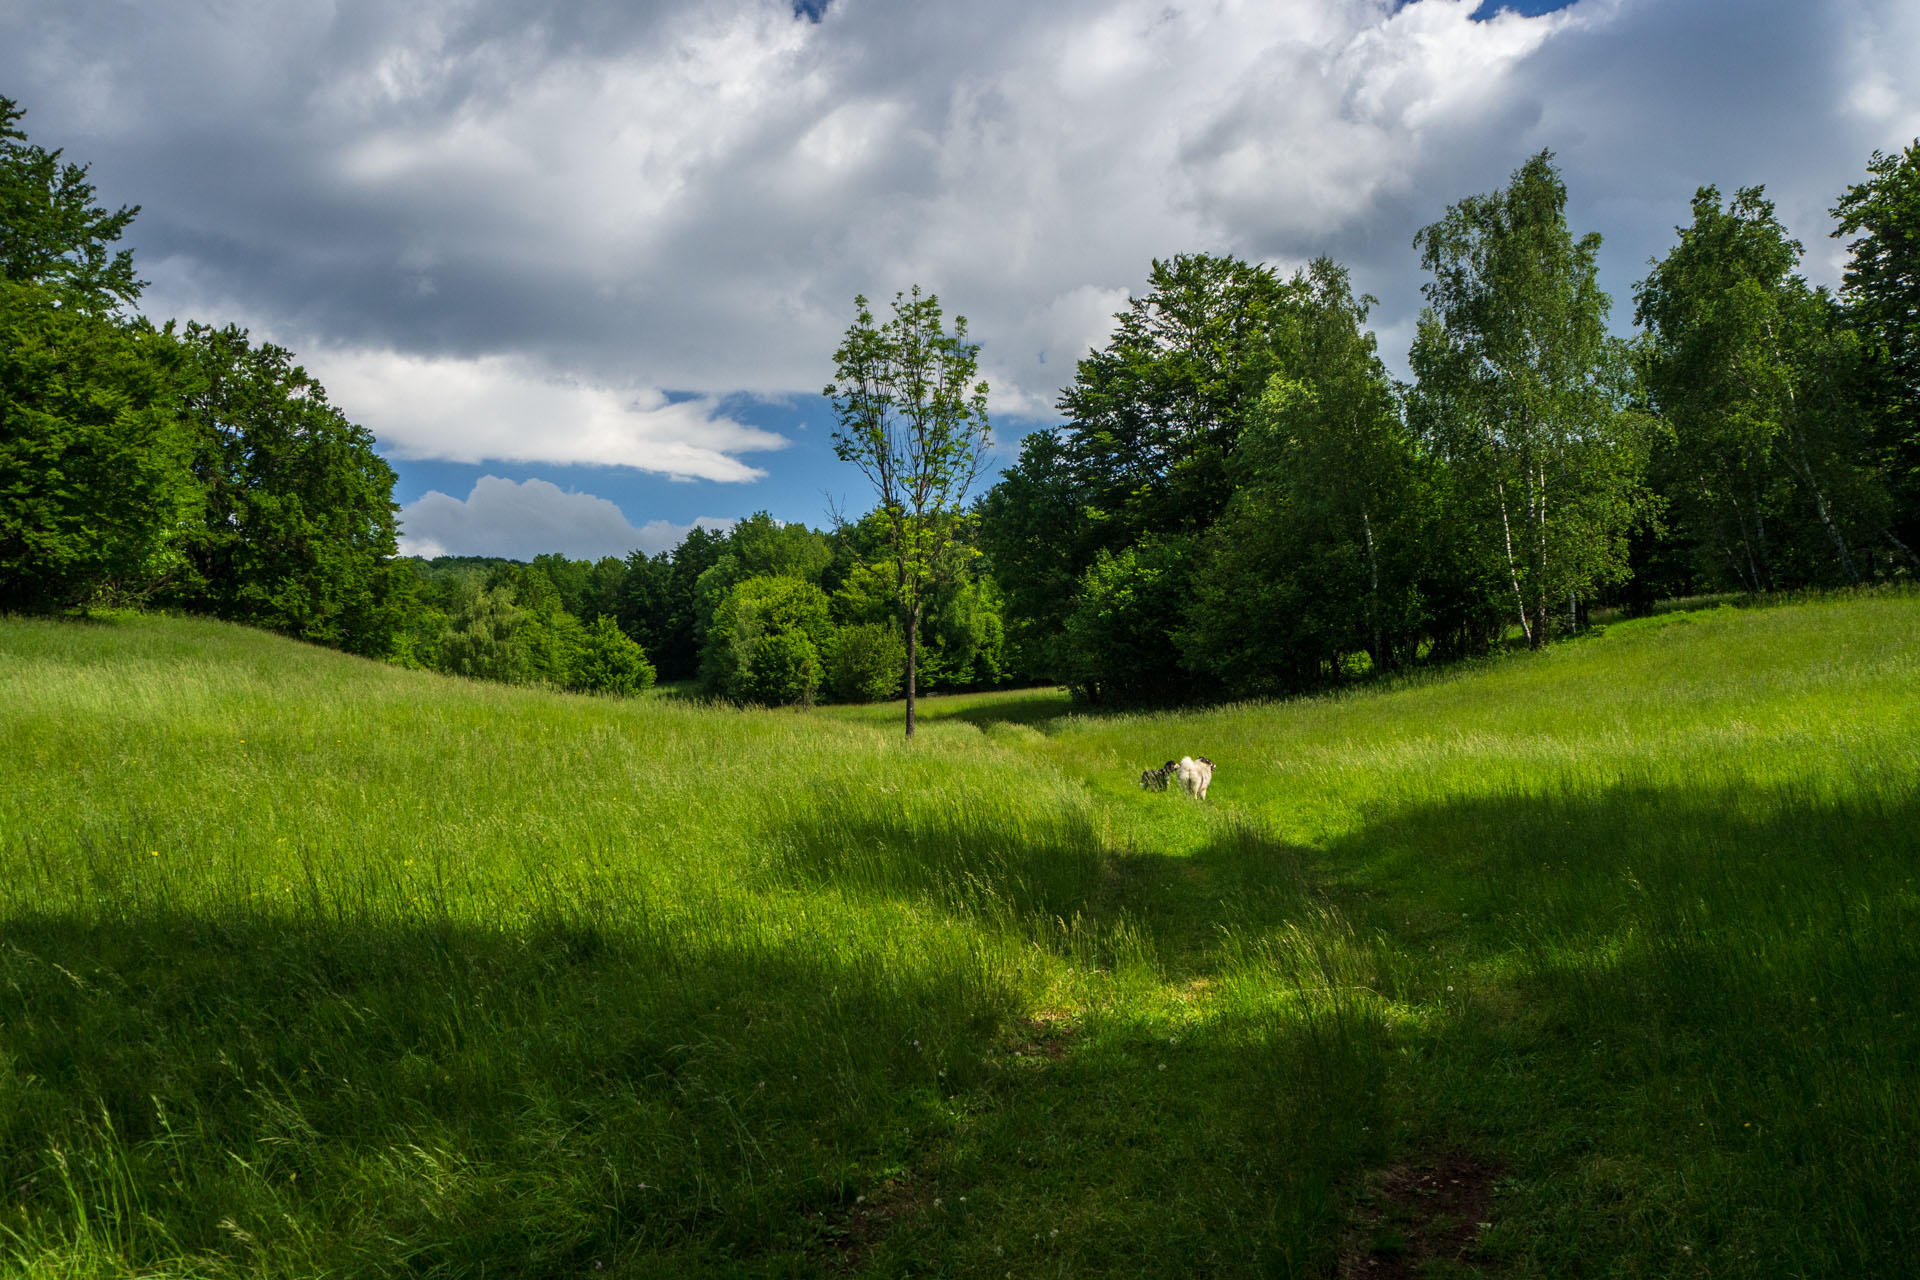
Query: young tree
{"x": 1521, "y": 385}
{"x": 914, "y": 420}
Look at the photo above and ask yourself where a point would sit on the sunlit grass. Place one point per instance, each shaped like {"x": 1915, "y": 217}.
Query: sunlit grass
{"x": 310, "y": 965}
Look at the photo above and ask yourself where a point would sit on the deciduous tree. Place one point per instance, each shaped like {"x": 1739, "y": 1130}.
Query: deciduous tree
{"x": 1522, "y": 387}
{"x": 913, "y": 419}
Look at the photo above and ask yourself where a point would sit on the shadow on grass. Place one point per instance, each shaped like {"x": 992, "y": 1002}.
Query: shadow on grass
{"x": 298, "y": 1096}
{"x": 1052, "y": 880}
{"x": 1684, "y": 1018}
{"x": 1034, "y": 708}
{"x": 305, "y": 1094}
{"x": 1688, "y": 1015}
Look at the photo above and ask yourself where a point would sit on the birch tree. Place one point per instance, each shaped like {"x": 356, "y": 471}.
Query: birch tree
{"x": 1521, "y": 387}
{"x": 913, "y": 419}
{"x": 1741, "y": 358}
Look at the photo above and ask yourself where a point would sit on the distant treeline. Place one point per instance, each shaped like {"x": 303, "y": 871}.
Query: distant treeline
{"x": 1239, "y": 501}
{"x": 768, "y": 613}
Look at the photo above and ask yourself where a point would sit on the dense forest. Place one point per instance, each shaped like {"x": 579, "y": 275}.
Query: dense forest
{"x": 1239, "y": 500}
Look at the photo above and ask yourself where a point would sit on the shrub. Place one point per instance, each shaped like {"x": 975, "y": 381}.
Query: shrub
{"x": 742, "y": 660}
{"x": 606, "y": 660}
{"x": 865, "y": 662}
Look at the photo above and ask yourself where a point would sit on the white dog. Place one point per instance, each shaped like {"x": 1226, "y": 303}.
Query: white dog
{"x": 1195, "y": 774}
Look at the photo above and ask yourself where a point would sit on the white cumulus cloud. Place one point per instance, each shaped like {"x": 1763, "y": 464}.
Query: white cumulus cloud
{"x": 520, "y": 520}
{"x": 494, "y": 408}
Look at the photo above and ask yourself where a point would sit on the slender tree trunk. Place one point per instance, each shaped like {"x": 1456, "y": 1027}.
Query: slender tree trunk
{"x": 1380, "y": 661}
{"x": 1750, "y": 576}
{"x": 1806, "y": 473}
{"x": 1820, "y": 505}
{"x": 1513, "y": 570}
{"x": 1904, "y": 549}
{"x": 910, "y": 622}
{"x": 1537, "y": 512}
{"x": 913, "y": 653}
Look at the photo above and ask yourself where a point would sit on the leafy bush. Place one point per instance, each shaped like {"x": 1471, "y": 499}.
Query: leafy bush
{"x": 1120, "y": 645}
{"x": 606, "y": 660}
{"x": 487, "y": 639}
{"x": 865, "y": 662}
{"x": 782, "y": 669}
{"x": 745, "y": 662}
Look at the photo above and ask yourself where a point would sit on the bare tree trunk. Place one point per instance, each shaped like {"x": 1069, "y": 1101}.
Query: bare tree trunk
{"x": 1380, "y": 661}
{"x": 1806, "y": 473}
{"x": 913, "y": 653}
{"x": 1750, "y": 576}
{"x": 1537, "y": 512}
{"x": 1513, "y": 570}
{"x": 1904, "y": 549}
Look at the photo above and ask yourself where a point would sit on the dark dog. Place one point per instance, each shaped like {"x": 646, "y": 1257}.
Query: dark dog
{"x": 1156, "y": 779}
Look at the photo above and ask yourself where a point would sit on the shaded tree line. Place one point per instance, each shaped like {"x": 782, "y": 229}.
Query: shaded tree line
{"x": 1242, "y": 502}
{"x": 186, "y": 468}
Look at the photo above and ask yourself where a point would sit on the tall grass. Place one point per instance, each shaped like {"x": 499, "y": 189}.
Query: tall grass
{"x": 313, "y": 966}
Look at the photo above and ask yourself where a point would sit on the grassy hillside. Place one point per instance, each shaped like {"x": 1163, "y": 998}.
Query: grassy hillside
{"x": 1599, "y": 961}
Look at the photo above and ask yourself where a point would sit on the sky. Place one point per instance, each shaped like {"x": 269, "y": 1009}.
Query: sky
{"x": 581, "y": 267}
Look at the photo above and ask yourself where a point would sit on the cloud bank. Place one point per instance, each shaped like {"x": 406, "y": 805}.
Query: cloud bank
{"x": 511, "y": 226}
{"x": 520, "y": 520}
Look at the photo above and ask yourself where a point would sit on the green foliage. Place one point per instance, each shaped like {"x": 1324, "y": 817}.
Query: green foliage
{"x": 199, "y": 468}
{"x": 1157, "y": 413}
{"x": 1033, "y": 527}
{"x": 1753, "y": 375}
{"x": 587, "y": 588}
{"x": 606, "y": 660}
{"x": 1882, "y": 280}
{"x": 1522, "y": 388}
{"x": 95, "y": 490}
{"x": 1125, "y": 609}
{"x": 487, "y": 639}
{"x": 764, "y": 547}
{"x": 765, "y": 642}
{"x": 51, "y": 232}
{"x": 657, "y": 602}
{"x": 1322, "y": 549}
{"x": 865, "y": 662}
{"x": 1155, "y": 420}
{"x": 914, "y": 421}
{"x": 1881, "y": 287}
{"x": 299, "y": 533}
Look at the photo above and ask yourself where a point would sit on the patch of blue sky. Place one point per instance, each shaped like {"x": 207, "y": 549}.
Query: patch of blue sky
{"x": 804, "y": 482}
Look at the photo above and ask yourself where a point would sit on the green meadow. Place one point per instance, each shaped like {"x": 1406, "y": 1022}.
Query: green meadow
{"x": 1590, "y": 962}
